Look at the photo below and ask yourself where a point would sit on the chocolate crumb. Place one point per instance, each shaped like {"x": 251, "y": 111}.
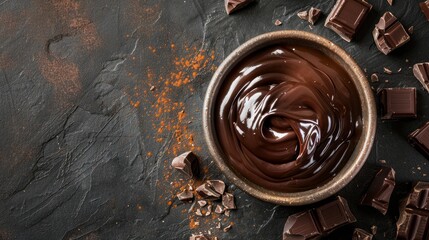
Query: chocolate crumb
{"x": 374, "y": 77}
{"x": 411, "y": 30}
{"x": 199, "y": 213}
{"x": 227, "y": 212}
{"x": 303, "y": 15}
{"x": 218, "y": 225}
{"x": 278, "y": 22}
{"x": 234, "y": 5}
{"x": 390, "y": 2}
{"x": 227, "y": 228}
{"x": 186, "y": 195}
{"x": 219, "y": 209}
{"x": 152, "y": 88}
{"x": 382, "y": 161}
{"x": 198, "y": 237}
{"x": 209, "y": 210}
{"x": 373, "y": 229}
{"x": 399, "y": 70}
{"x": 386, "y": 70}
{"x": 202, "y": 203}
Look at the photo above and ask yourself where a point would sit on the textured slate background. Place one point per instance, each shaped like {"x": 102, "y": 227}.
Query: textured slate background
{"x": 85, "y": 144}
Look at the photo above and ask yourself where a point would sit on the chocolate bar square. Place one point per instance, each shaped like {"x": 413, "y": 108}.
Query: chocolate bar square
{"x": 398, "y": 103}
{"x": 301, "y": 224}
{"x": 346, "y": 17}
{"x": 334, "y": 214}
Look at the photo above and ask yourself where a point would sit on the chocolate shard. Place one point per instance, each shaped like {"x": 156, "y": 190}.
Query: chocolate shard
{"x": 303, "y": 15}
{"x": 234, "y": 5}
{"x": 186, "y": 195}
{"x": 360, "y": 234}
{"x": 219, "y": 209}
{"x": 414, "y": 215}
{"x": 398, "y": 103}
{"x": 301, "y": 226}
{"x": 318, "y": 222}
{"x": 421, "y": 72}
{"x": 228, "y": 201}
{"x": 347, "y": 16}
{"x": 313, "y": 15}
{"x": 202, "y": 203}
{"x": 211, "y": 189}
{"x": 389, "y": 34}
{"x": 380, "y": 190}
{"x": 187, "y": 163}
{"x": 198, "y": 237}
{"x": 334, "y": 215}
{"x": 424, "y": 6}
{"x": 420, "y": 139}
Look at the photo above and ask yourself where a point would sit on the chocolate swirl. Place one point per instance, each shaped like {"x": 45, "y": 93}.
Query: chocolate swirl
{"x": 288, "y": 118}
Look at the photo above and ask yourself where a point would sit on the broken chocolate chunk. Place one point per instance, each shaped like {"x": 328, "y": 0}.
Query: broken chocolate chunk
{"x": 187, "y": 163}
{"x": 347, "y": 16}
{"x": 398, "y": 103}
{"x": 313, "y": 15}
{"x": 318, "y": 222}
{"x": 420, "y": 139}
{"x": 360, "y": 234}
{"x": 234, "y": 5}
{"x": 389, "y": 34}
{"x": 211, "y": 189}
{"x": 390, "y": 2}
{"x": 421, "y": 72}
{"x": 228, "y": 201}
{"x": 380, "y": 190}
{"x": 424, "y": 6}
{"x": 374, "y": 77}
{"x": 198, "y": 237}
{"x": 414, "y": 216}
{"x": 186, "y": 195}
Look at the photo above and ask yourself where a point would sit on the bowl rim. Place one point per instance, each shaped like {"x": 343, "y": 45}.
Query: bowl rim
{"x": 363, "y": 146}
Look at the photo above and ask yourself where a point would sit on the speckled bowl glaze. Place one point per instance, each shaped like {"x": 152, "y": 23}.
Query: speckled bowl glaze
{"x": 361, "y": 151}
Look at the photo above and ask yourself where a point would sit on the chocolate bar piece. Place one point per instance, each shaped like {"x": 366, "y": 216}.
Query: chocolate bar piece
{"x": 414, "y": 214}
{"x": 347, "y": 16}
{"x": 420, "y": 139}
{"x": 398, "y": 103}
{"x": 389, "y": 34}
{"x": 378, "y": 194}
{"x": 234, "y": 5}
{"x": 424, "y": 6}
{"x": 187, "y": 163}
{"x": 360, "y": 234}
{"x": 421, "y": 72}
{"x": 211, "y": 189}
{"x": 318, "y": 222}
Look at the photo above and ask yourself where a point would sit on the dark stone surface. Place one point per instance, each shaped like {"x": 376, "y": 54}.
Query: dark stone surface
{"x": 85, "y": 144}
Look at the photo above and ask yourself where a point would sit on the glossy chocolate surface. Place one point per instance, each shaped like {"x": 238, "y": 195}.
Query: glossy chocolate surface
{"x": 288, "y": 118}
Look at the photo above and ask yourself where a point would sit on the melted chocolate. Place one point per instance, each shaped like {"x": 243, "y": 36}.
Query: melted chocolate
{"x": 288, "y": 118}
